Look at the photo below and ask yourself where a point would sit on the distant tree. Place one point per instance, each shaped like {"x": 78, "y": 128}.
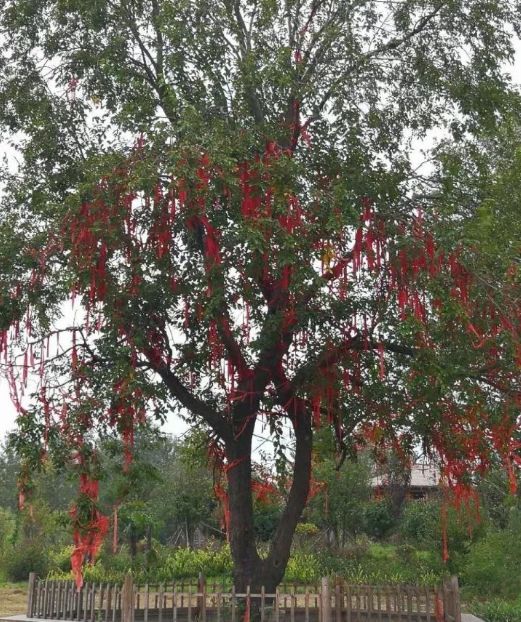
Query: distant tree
{"x": 184, "y": 500}
{"x": 9, "y": 472}
{"x": 341, "y": 492}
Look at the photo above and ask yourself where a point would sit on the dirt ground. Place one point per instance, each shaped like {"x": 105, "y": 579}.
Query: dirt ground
{"x": 13, "y": 598}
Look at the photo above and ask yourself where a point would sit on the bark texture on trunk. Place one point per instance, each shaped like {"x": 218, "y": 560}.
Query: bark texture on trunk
{"x": 249, "y": 568}
{"x": 242, "y": 533}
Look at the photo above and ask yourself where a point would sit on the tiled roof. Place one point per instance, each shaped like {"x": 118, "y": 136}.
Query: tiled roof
{"x": 422, "y": 476}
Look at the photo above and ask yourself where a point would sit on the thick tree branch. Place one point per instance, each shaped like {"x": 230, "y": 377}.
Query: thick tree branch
{"x": 301, "y": 417}
{"x": 195, "y": 405}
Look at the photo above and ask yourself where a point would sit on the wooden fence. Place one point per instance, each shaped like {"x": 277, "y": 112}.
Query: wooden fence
{"x": 330, "y": 601}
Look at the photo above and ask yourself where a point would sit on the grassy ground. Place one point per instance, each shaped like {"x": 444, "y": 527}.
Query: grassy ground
{"x": 13, "y": 598}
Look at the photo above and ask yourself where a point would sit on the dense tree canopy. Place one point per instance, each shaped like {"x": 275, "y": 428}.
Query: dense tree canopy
{"x": 228, "y": 193}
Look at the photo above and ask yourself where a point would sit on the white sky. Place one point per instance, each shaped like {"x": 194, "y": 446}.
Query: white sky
{"x": 173, "y": 425}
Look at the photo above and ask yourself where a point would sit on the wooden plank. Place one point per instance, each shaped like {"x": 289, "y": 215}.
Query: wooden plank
{"x": 62, "y": 604}
{"x": 106, "y": 605}
{"x": 456, "y": 602}
{"x": 69, "y": 606}
{"x": 202, "y": 591}
{"x": 74, "y": 598}
{"x": 276, "y": 604}
{"x": 36, "y": 602}
{"x": 219, "y": 604}
{"x": 93, "y": 603}
{"x": 338, "y": 607}
{"x": 50, "y": 604}
{"x": 48, "y": 599}
{"x": 63, "y": 600}
{"x": 127, "y": 600}
{"x": 306, "y": 605}
{"x": 325, "y": 600}
{"x": 428, "y": 604}
{"x": 263, "y": 604}
{"x": 161, "y": 596}
{"x": 114, "y": 603}
{"x": 79, "y": 596}
{"x": 30, "y": 594}
{"x": 57, "y": 600}
{"x": 146, "y": 602}
{"x": 45, "y": 598}
{"x": 85, "y": 600}
{"x": 448, "y": 616}
{"x": 55, "y": 597}
{"x": 234, "y": 604}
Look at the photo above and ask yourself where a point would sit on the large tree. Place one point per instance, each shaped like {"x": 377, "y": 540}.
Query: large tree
{"x": 226, "y": 190}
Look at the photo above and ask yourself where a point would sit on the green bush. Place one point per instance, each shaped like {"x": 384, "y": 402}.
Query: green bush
{"x": 60, "y": 559}
{"x": 492, "y": 566}
{"x": 420, "y": 522}
{"x": 378, "y": 518}
{"x": 169, "y": 565}
{"x": 304, "y": 568}
{"x": 361, "y": 563}
{"x": 184, "y": 563}
{"x": 25, "y": 558}
{"x": 498, "y": 610}
{"x": 266, "y": 519}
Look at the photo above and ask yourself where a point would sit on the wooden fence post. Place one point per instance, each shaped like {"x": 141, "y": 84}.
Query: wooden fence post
{"x": 325, "y": 601}
{"x": 127, "y": 600}
{"x": 451, "y": 600}
{"x": 30, "y": 594}
{"x": 201, "y": 605}
{"x": 457, "y": 601}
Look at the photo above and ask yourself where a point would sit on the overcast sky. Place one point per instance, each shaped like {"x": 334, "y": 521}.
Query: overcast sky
{"x": 173, "y": 425}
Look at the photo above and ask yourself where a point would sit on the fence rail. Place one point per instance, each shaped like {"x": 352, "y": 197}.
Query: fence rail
{"x": 331, "y": 601}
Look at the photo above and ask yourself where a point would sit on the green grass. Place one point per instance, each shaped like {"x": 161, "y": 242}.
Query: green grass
{"x": 382, "y": 551}
{"x": 497, "y": 610}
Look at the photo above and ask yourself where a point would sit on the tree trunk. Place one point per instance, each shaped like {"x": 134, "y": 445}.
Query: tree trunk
{"x": 249, "y": 568}
{"x": 133, "y": 542}
{"x": 246, "y": 561}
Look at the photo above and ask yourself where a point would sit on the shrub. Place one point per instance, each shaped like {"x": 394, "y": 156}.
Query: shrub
{"x": 378, "y": 518}
{"x": 492, "y": 565}
{"x": 420, "y": 522}
{"x": 185, "y": 563}
{"x": 60, "y": 559}
{"x": 266, "y": 519}
{"x": 304, "y": 568}
{"x": 26, "y": 557}
{"x": 498, "y": 611}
